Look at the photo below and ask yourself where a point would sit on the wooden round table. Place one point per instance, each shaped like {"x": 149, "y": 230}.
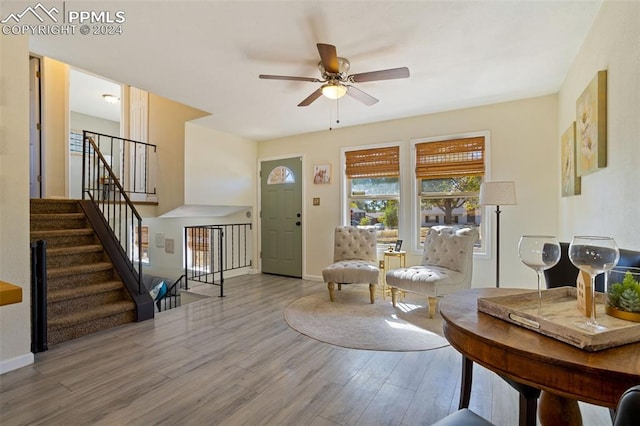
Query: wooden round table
{"x": 566, "y": 372}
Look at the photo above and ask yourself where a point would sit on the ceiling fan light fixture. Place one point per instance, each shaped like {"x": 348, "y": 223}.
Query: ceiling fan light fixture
{"x": 333, "y": 90}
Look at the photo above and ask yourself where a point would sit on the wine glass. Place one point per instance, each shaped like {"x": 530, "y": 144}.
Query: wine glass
{"x": 539, "y": 252}
{"x": 593, "y": 255}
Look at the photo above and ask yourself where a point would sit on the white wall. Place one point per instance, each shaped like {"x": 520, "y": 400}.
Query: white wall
{"x": 524, "y": 148}
{"x": 15, "y": 319}
{"x": 219, "y": 168}
{"x": 171, "y": 265}
{"x": 610, "y": 199}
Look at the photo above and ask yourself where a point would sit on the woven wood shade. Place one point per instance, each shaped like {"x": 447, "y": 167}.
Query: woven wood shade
{"x": 450, "y": 159}
{"x": 198, "y": 239}
{"x": 144, "y": 231}
{"x": 377, "y": 162}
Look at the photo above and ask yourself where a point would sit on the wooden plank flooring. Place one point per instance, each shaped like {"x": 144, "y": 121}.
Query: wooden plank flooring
{"x": 235, "y": 361}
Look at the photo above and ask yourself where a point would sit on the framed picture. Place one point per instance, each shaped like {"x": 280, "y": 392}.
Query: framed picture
{"x": 398, "y": 246}
{"x": 322, "y": 173}
{"x": 571, "y": 182}
{"x": 591, "y": 126}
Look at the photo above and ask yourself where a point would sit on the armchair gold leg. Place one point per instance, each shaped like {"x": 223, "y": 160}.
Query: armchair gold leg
{"x": 372, "y": 293}
{"x": 394, "y": 296}
{"x": 331, "y": 287}
{"x": 433, "y": 305}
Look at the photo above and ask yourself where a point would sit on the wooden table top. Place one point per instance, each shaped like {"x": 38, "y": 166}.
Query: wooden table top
{"x": 534, "y": 359}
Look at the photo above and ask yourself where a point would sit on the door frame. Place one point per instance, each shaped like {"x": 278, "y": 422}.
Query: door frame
{"x": 302, "y": 207}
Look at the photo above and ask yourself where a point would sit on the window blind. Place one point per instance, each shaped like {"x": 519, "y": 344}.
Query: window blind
{"x": 376, "y": 162}
{"x": 450, "y": 159}
{"x": 198, "y": 239}
{"x": 144, "y": 231}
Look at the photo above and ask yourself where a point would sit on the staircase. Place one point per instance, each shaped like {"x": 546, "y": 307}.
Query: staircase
{"x": 85, "y": 293}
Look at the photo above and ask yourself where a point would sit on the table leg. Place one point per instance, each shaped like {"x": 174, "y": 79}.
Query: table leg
{"x": 554, "y": 410}
{"x": 465, "y": 385}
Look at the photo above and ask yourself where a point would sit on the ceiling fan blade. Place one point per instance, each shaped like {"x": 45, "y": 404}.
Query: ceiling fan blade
{"x": 389, "y": 74}
{"x": 312, "y": 97}
{"x": 329, "y": 57}
{"x": 363, "y": 97}
{"x": 285, "y": 77}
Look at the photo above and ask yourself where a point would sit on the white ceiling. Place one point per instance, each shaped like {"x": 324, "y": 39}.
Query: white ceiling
{"x": 85, "y": 95}
{"x": 208, "y": 54}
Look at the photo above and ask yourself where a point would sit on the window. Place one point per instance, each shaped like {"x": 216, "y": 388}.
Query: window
{"x": 373, "y": 190}
{"x": 281, "y": 174}
{"x": 198, "y": 247}
{"x": 449, "y": 174}
{"x": 144, "y": 231}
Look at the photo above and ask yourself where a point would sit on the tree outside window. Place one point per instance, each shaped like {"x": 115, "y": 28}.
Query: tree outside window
{"x": 373, "y": 178}
{"x": 449, "y": 174}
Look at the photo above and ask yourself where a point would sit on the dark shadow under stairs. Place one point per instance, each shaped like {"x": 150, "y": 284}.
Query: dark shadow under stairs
{"x": 85, "y": 293}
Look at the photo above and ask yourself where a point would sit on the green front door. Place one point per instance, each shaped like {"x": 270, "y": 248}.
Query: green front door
{"x": 281, "y": 216}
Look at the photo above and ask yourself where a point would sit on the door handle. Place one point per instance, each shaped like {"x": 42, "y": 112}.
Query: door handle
{"x": 298, "y": 223}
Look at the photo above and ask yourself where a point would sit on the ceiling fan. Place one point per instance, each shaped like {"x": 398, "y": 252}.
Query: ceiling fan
{"x": 335, "y": 78}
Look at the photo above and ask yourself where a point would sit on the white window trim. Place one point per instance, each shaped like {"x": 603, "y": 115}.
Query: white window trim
{"x": 486, "y": 226}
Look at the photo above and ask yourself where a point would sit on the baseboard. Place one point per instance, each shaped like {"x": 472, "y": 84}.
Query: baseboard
{"x": 313, "y": 277}
{"x": 17, "y": 362}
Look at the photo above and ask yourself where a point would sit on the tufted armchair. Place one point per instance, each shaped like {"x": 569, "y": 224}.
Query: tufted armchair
{"x": 355, "y": 260}
{"x": 447, "y": 265}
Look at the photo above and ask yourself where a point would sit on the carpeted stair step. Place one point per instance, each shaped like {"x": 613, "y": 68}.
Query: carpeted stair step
{"x": 65, "y": 237}
{"x": 79, "y": 276}
{"x": 60, "y": 302}
{"x": 53, "y": 205}
{"x": 58, "y": 257}
{"x": 45, "y": 221}
{"x": 84, "y": 292}
{"x": 77, "y": 324}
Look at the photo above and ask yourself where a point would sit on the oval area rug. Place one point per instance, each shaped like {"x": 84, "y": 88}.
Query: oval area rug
{"x": 352, "y": 322}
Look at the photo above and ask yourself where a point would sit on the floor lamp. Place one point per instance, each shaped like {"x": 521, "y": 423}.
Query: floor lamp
{"x": 497, "y": 194}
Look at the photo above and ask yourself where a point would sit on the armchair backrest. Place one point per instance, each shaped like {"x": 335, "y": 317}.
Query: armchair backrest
{"x": 352, "y": 243}
{"x": 450, "y": 247}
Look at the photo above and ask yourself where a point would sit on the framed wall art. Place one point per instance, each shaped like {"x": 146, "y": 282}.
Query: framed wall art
{"x": 571, "y": 182}
{"x": 322, "y": 173}
{"x": 591, "y": 126}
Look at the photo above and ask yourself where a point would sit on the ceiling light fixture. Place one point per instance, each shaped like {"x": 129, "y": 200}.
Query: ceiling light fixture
{"x": 112, "y": 99}
{"x": 334, "y": 90}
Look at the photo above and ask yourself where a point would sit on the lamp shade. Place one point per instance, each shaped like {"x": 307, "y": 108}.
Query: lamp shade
{"x": 333, "y": 90}
{"x": 497, "y": 193}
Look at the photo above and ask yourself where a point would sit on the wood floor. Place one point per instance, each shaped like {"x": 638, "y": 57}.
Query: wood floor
{"x": 234, "y": 361}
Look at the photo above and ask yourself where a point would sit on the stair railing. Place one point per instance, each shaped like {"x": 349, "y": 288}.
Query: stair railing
{"x": 133, "y": 162}
{"x": 210, "y": 250}
{"x": 103, "y": 188}
{"x": 39, "y": 296}
{"x": 171, "y": 299}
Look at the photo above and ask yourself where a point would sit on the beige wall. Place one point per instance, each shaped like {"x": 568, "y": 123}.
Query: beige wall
{"x": 15, "y": 319}
{"x": 523, "y": 148}
{"x": 610, "y": 201}
{"x": 167, "y": 130}
{"x": 55, "y": 124}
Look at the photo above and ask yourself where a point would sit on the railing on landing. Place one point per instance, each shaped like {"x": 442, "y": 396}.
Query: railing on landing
{"x": 210, "y": 250}
{"x": 103, "y": 188}
{"x": 132, "y": 162}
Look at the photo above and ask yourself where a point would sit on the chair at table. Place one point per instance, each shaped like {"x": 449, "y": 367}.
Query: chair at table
{"x": 628, "y": 411}
{"x": 463, "y": 417}
{"x": 355, "y": 260}
{"x": 447, "y": 266}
